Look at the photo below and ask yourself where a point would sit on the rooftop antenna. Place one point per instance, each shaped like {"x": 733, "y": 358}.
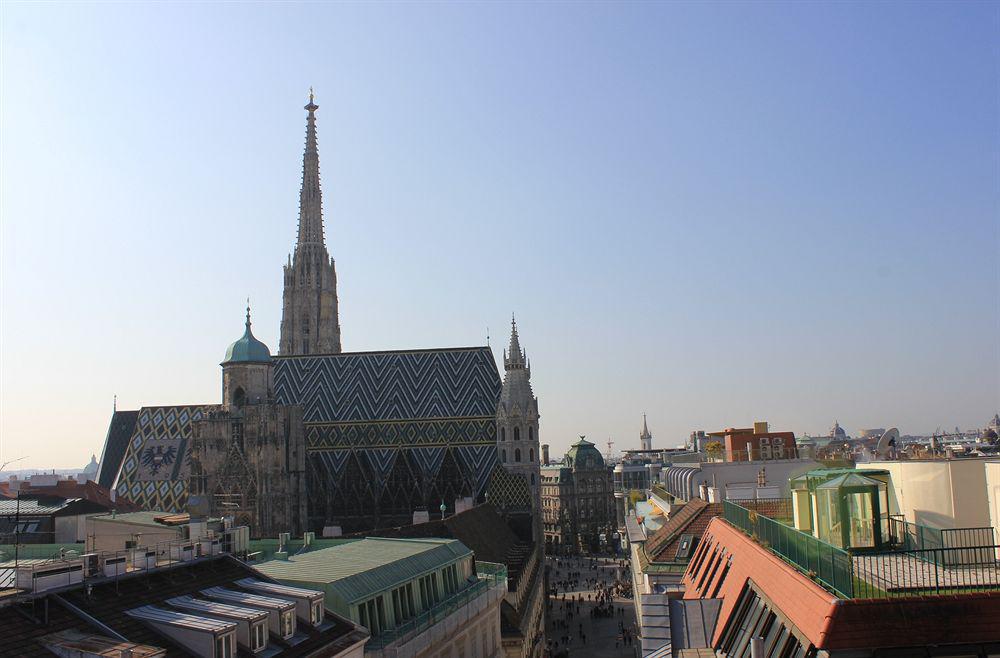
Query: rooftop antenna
{"x": 487, "y": 335}
{"x": 114, "y": 404}
{"x": 610, "y": 443}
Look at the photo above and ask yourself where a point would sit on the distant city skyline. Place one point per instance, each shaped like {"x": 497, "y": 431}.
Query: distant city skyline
{"x": 711, "y": 214}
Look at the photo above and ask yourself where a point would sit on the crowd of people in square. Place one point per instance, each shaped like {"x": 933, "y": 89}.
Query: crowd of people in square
{"x": 581, "y": 587}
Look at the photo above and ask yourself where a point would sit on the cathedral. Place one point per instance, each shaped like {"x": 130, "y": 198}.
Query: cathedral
{"x": 315, "y": 438}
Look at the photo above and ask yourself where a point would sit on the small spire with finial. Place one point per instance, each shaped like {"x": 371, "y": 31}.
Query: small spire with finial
{"x": 312, "y": 106}
{"x": 248, "y": 312}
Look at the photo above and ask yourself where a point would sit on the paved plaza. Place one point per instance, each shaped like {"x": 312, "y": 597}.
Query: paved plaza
{"x": 604, "y": 636}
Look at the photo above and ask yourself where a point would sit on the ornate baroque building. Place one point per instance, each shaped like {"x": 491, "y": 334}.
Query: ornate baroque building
{"x": 318, "y": 439}
{"x": 577, "y": 501}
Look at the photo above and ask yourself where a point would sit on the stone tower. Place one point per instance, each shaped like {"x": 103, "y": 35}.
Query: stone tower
{"x": 517, "y": 418}
{"x": 247, "y": 457}
{"x": 645, "y": 438}
{"x": 310, "y": 321}
{"x": 247, "y": 372}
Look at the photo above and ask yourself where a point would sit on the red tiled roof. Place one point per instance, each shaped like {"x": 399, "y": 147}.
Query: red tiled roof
{"x": 914, "y": 622}
{"x": 67, "y": 489}
{"x": 691, "y": 519}
{"x": 827, "y": 621}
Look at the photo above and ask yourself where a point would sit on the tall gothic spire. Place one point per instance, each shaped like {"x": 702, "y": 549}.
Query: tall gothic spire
{"x": 513, "y": 357}
{"x": 310, "y": 196}
{"x": 645, "y": 429}
{"x": 310, "y": 320}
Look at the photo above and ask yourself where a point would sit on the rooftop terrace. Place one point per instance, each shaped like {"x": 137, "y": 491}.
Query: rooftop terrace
{"x": 913, "y": 560}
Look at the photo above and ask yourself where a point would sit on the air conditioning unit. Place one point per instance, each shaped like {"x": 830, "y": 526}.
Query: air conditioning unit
{"x": 115, "y": 565}
{"x": 236, "y": 540}
{"x": 143, "y": 558}
{"x": 182, "y": 552}
{"x": 211, "y": 546}
{"x": 43, "y": 577}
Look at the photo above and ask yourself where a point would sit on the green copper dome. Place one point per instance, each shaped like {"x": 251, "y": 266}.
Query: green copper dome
{"x": 584, "y": 455}
{"x": 247, "y": 349}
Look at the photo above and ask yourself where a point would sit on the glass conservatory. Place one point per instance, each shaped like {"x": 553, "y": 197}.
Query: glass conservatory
{"x": 843, "y": 507}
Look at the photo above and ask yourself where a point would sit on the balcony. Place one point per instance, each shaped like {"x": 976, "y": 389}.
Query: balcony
{"x": 914, "y": 560}
{"x": 447, "y": 615}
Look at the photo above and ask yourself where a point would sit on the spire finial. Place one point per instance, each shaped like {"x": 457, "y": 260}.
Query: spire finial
{"x": 312, "y": 106}
{"x": 310, "y": 93}
{"x": 248, "y": 312}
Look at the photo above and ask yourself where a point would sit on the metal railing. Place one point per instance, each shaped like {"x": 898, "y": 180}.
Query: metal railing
{"x": 829, "y": 565}
{"x": 489, "y": 575}
{"x": 946, "y": 569}
{"x": 778, "y": 509}
{"x": 926, "y": 572}
{"x": 107, "y": 565}
{"x": 967, "y": 542}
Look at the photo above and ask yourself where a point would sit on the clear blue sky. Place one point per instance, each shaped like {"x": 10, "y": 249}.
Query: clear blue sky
{"x": 713, "y": 213}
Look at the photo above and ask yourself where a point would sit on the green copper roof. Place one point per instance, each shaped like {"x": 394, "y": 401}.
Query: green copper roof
{"x": 583, "y": 449}
{"x": 247, "y": 349}
{"x": 358, "y": 570}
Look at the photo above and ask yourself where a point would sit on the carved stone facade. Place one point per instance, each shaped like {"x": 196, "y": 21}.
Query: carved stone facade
{"x": 517, "y": 419}
{"x": 250, "y": 463}
{"x": 310, "y": 320}
{"x": 577, "y": 501}
{"x": 248, "y": 457}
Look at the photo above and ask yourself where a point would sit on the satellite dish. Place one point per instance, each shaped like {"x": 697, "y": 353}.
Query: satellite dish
{"x": 887, "y": 441}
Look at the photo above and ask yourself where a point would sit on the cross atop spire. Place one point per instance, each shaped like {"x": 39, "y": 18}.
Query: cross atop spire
{"x": 310, "y": 196}
{"x": 514, "y": 357}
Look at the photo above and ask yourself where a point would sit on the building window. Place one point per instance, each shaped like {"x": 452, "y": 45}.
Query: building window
{"x": 531, "y": 433}
{"x": 531, "y": 458}
{"x": 503, "y": 434}
{"x": 517, "y": 433}
{"x": 517, "y": 453}
{"x": 503, "y": 456}
{"x": 239, "y": 397}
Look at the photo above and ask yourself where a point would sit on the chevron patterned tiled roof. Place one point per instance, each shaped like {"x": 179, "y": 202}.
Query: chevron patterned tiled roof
{"x": 369, "y": 386}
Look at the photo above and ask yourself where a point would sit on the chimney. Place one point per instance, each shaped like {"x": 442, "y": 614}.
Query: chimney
{"x": 545, "y": 454}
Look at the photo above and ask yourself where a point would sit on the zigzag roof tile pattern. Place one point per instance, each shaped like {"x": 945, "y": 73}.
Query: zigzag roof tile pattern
{"x": 389, "y": 386}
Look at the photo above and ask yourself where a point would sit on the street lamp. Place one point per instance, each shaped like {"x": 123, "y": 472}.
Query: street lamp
{"x": 442, "y": 508}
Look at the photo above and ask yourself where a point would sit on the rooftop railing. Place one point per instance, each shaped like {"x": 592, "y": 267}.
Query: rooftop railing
{"x": 958, "y": 564}
{"x": 489, "y": 575}
{"x": 825, "y": 563}
{"x": 97, "y": 565}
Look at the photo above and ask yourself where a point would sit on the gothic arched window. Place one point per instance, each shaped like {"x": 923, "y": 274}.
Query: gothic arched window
{"x": 239, "y": 397}
{"x": 517, "y": 452}
{"x": 503, "y": 433}
{"x": 531, "y": 456}
{"x": 517, "y": 433}
{"x": 503, "y": 456}
{"x": 531, "y": 433}
{"x": 532, "y": 478}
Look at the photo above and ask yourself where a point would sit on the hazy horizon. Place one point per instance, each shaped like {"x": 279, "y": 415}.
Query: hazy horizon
{"x": 713, "y": 214}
